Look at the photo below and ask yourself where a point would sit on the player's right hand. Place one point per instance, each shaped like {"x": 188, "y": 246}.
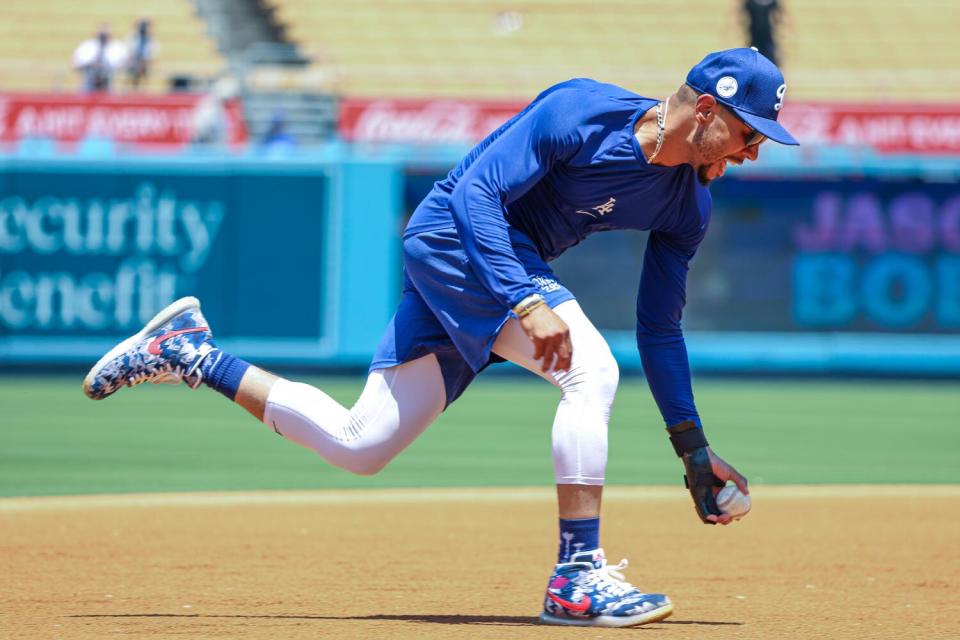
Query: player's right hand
{"x": 725, "y": 472}
{"x": 551, "y": 338}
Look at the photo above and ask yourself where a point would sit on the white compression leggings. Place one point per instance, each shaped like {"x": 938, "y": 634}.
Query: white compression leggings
{"x": 399, "y": 403}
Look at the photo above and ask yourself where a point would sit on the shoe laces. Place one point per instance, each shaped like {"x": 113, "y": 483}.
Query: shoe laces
{"x": 170, "y": 373}
{"x": 609, "y": 580}
{"x": 192, "y": 380}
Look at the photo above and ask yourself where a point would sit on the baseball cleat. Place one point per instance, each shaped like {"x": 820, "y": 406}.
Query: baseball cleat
{"x": 168, "y": 349}
{"x": 585, "y": 592}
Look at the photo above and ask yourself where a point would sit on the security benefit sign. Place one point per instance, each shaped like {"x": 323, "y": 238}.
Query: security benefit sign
{"x": 100, "y": 263}
{"x": 98, "y": 253}
{"x": 840, "y": 256}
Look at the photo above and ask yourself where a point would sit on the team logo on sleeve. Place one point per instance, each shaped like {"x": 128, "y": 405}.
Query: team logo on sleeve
{"x": 546, "y": 285}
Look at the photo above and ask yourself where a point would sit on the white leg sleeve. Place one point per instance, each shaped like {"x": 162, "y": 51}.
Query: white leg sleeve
{"x": 396, "y": 405}
{"x": 587, "y": 392}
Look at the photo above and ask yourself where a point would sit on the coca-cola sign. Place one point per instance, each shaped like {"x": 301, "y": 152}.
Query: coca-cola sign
{"x": 900, "y": 128}
{"x": 136, "y": 120}
{"x": 422, "y": 121}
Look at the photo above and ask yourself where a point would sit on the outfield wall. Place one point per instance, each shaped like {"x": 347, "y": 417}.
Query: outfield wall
{"x": 297, "y": 261}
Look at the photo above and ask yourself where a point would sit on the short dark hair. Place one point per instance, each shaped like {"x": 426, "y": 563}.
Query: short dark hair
{"x": 687, "y": 94}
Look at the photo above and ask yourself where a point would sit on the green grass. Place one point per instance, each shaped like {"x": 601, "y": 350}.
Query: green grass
{"x": 55, "y": 441}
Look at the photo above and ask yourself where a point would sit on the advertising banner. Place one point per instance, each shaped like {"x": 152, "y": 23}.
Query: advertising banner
{"x": 792, "y": 256}
{"x": 88, "y": 253}
{"x": 885, "y": 127}
{"x": 147, "y": 121}
{"x": 422, "y": 121}
{"x": 781, "y": 256}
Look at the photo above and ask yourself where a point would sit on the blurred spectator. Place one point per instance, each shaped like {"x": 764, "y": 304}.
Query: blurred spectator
{"x": 507, "y": 23}
{"x": 210, "y": 120}
{"x": 97, "y": 59}
{"x": 142, "y": 50}
{"x": 277, "y": 139}
{"x": 762, "y": 19}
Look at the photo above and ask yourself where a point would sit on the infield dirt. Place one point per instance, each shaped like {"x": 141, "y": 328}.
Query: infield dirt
{"x": 809, "y": 562}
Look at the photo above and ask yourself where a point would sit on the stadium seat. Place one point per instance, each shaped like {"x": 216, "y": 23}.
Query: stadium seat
{"x": 478, "y": 48}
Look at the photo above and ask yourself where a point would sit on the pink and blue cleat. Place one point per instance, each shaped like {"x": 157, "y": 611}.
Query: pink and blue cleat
{"x": 585, "y": 592}
{"x": 168, "y": 349}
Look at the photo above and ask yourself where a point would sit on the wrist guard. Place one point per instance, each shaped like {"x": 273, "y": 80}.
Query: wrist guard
{"x": 691, "y": 446}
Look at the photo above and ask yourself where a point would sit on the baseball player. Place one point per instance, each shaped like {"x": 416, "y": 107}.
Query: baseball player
{"x": 582, "y": 157}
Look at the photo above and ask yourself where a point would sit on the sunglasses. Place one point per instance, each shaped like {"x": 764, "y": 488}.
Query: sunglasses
{"x": 754, "y": 137}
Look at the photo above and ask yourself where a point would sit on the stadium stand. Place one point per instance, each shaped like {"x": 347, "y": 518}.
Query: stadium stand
{"x": 38, "y": 37}
{"x": 297, "y": 56}
{"x": 869, "y": 51}
{"x": 493, "y": 48}
{"x": 481, "y": 48}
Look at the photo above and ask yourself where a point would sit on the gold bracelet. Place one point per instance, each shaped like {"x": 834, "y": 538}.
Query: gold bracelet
{"x": 526, "y": 306}
{"x": 527, "y": 310}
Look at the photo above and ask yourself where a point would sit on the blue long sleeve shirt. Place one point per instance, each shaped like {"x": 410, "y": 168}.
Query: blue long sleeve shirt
{"x": 566, "y": 166}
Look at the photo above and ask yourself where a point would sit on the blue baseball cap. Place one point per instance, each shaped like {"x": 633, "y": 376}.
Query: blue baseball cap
{"x": 749, "y": 84}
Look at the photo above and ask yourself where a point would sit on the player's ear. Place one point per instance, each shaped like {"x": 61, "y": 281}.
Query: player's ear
{"x": 705, "y": 108}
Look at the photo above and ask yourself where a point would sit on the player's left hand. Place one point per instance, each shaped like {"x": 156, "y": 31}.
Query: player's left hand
{"x": 725, "y": 471}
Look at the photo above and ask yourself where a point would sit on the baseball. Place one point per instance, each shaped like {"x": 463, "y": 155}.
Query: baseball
{"x": 732, "y": 502}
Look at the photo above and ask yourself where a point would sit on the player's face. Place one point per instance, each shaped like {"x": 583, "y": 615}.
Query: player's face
{"x": 727, "y": 139}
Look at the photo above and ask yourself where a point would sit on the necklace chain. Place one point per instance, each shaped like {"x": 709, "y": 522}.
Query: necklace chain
{"x": 661, "y": 127}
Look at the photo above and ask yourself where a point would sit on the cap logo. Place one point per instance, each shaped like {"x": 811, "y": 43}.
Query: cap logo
{"x": 727, "y": 87}
{"x": 781, "y": 92}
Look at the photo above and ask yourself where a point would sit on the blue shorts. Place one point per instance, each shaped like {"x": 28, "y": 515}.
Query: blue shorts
{"x": 445, "y": 310}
